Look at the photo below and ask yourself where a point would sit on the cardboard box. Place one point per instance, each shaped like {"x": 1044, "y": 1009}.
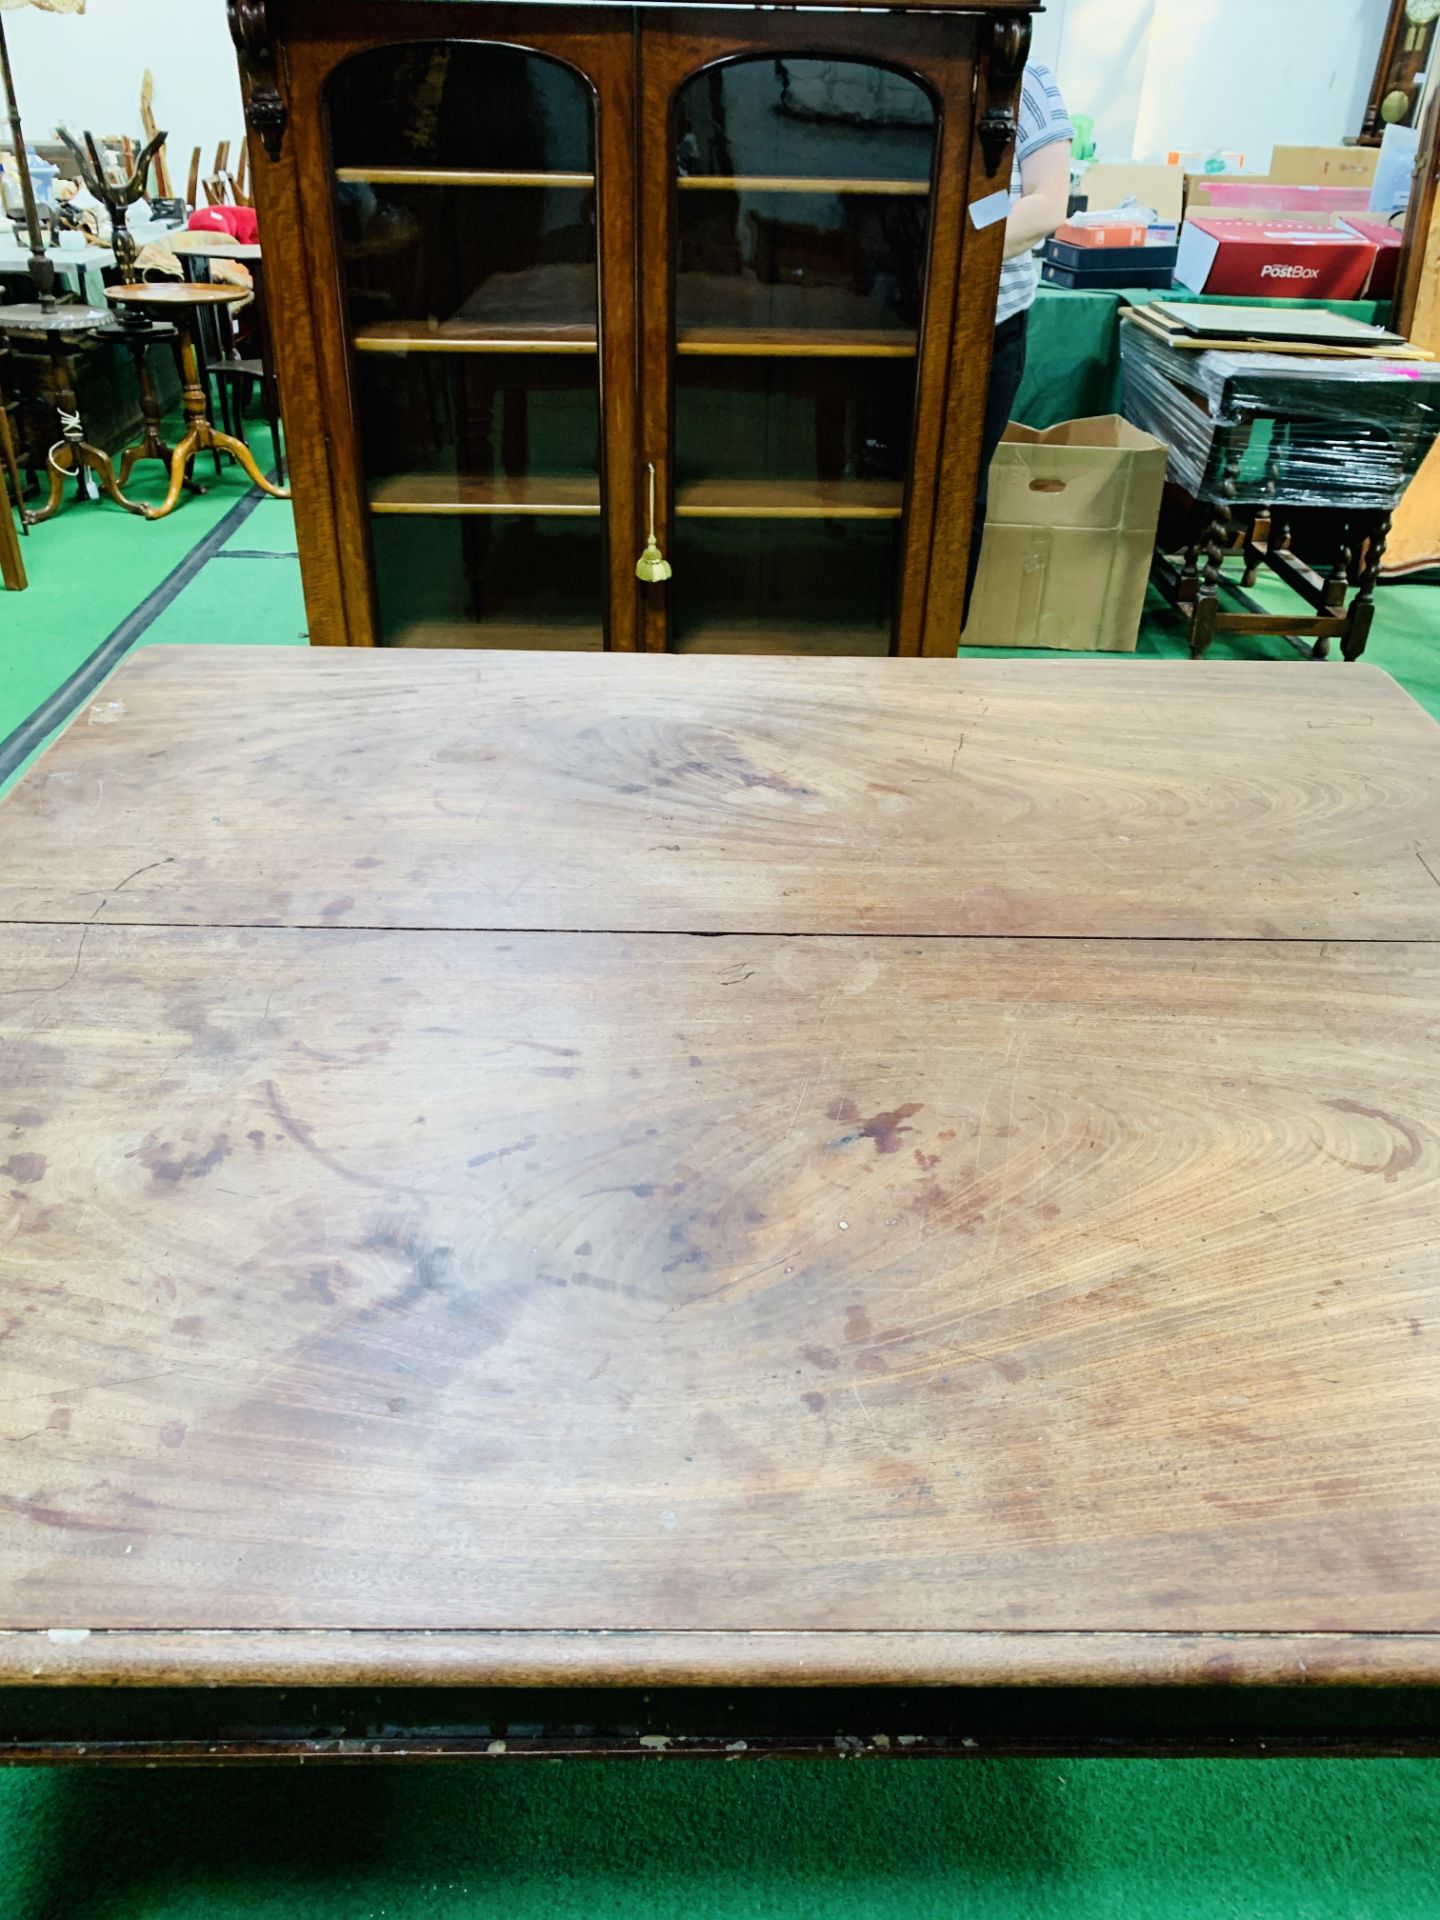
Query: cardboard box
{"x": 1324, "y": 166}
{"x": 1107, "y": 184}
{"x": 1284, "y": 259}
{"x": 1226, "y": 196}
{"x": 1131, "y": 234}
{"x": 1069, "y": 537}
{"x": 1388, "y": 243}
{"x": 1199, "y": 187}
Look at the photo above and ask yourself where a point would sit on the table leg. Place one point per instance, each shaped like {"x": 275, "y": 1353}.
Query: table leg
{"x": 10, "y": 462}
{"x": 12, "y": 566}
{"x": 1262, "y": 527}
{"x": 200, "y": 435}
{"x": 269, "y": 385}
{"x": 151, "y": 445}
{"x": 73, "y": 453}
{"x": 179, "y": 460}
{"x": 1218, "y": 539}
{"x": 1362, "y": 608}
{"x": 241, "y": 453}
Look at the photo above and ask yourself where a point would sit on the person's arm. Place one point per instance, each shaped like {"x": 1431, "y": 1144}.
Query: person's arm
{"x": 1044, "y": 198}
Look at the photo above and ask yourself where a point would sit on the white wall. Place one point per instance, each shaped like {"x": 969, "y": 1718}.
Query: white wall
{"x": 85, "y": 70}
{"x": 1250, "y": 73}
{"x": 1098, "y": 49}
{"x": 1153, "y": 73}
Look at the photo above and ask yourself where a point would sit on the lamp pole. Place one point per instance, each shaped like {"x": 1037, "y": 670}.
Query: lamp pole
{"x": 42, "y": 267}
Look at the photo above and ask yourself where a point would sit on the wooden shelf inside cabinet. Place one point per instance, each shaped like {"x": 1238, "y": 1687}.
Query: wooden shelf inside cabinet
{"x": 828, "y": 343}
{"x": 793, "y": 183}
{"x": 790, "y": 500}
{"x": 816, "y": 637}
{"x": 448, "y": 493}
{"x": 455, "y": 336}
{"x": 499, "y": 635}
{"x": 456, "y": 177}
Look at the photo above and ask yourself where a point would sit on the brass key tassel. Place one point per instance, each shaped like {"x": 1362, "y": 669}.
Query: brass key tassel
{"x": 652, "y": 564}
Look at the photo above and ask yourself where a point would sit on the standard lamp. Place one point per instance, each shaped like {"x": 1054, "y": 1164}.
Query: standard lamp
{"x": 42, "y": 267}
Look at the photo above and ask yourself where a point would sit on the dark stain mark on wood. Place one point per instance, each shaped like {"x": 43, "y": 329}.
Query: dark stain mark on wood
{"x": 823, "y": 1357}
{"x": 24, "y": 1168}
{"x": 1008, "y": 1369}
{"x": 1403, "y": 1154}
{"x": 429, "y": 1266}
{"x": 256, "y": 1137}
{"x": 583, "y": 1248}
{"x": 321, "y": 1282}
{"x": 502, "y": 1153}
{"x": 884, "y": 1129}
{"x": 540, "y": 1046}
{"x": 303, "y": 1138}
{"x": 367, "y": 863}
{"x": 333, "y": 909}
{"x": 189, "y": 1324}
{"x": 168, "y": 1169}
{"x": 172, "y": 1434}
{"x": 26, "y": 1117}
{"x": 34, "y": 1507}
{"x": 857, "y": 1325}
{"x": 927, "y": 1162}
{"x": 815, "y": 1401}
{"x": 196, "y": 1022}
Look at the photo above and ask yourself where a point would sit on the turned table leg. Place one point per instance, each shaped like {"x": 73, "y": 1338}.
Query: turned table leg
{"x": 12, "y": 566}
{"x": 1362, "y": 609}
{"x": 200, "y": 435}
{"x": 73, "y": 453}
{"x": 152, "y": 444}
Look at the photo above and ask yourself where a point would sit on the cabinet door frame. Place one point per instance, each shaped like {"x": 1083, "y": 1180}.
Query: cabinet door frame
{"x": 941, "y": 53}
{"x": 295, "y": 196}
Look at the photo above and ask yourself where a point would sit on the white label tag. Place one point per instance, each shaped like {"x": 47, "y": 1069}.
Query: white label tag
{"x": 995, "y": 206}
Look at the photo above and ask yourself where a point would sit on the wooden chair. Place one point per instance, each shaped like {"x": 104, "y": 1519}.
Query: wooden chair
{"x": 12, "y": 564}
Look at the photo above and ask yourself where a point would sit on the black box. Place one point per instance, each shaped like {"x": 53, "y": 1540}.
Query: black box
{"x": 1065, "y": 265}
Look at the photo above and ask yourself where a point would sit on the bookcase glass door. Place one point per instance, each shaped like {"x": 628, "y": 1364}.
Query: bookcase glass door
{"x": 465, "y": 212}
{"x": 801, "y": 223}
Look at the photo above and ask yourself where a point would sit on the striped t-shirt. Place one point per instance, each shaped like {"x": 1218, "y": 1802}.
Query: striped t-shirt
{"x": 1042, "y": 118}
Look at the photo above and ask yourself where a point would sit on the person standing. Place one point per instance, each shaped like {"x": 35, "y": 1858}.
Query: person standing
{"x": 1039, "y": 200}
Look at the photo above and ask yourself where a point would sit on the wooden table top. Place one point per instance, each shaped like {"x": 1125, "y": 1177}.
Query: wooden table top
{"x": 1006, "y": 1248}
{"x": 175, "y": 293}
{"x": 212, "y": 244}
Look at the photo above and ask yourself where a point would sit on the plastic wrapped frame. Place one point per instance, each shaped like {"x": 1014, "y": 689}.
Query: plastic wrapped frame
{"x": 1259, "y": 428}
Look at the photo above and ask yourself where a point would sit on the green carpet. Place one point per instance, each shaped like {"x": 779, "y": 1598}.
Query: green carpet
{"x": 618, "y": 1840}
{"x": 897, "y": 1840}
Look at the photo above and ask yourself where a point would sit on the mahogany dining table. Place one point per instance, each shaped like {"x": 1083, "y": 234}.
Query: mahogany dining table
{"x": 712, "y": 1207}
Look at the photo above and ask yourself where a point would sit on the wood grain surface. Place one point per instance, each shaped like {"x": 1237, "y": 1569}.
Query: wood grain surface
{"x": 401, "y": 1280}
{"x": 501, "y": 1184}
{"x": 1091, "y": 797}
{"x": 219, "y": 1657}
